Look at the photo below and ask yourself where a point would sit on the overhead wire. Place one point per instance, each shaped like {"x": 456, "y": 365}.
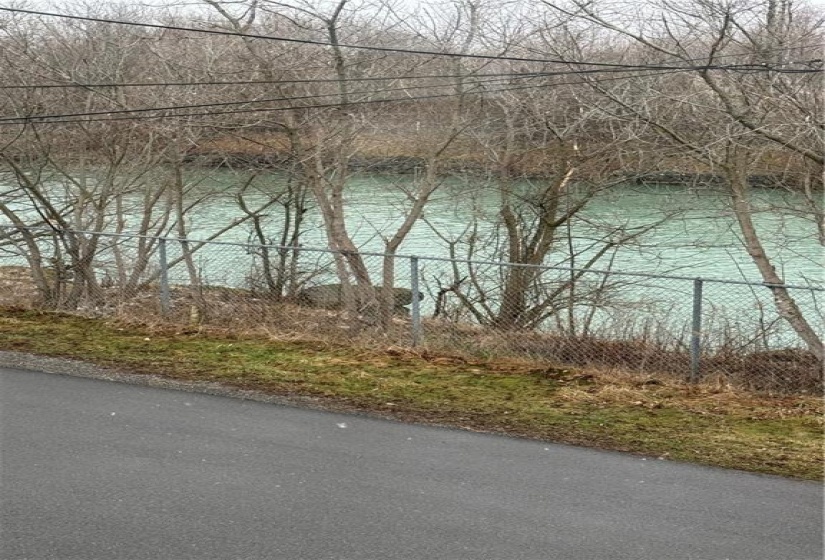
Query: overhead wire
{"x": 269, "y": 82}
{"x": 242, "y": 102}
{"x": 601, "y": 68}
{"x": 387, "y": 49}
{"x": 71, "y": 118}
{"x": 505, "y": 75}
{"x": 514, "y": 75}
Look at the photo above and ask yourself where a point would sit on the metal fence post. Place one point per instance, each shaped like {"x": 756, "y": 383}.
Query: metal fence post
{"x": 696, "y": 331}
{"x": 415, "y": 308}
{"x": 165, "y": 297}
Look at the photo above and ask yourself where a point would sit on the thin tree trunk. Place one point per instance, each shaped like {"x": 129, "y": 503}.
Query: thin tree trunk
{"x": 784, "y": 302}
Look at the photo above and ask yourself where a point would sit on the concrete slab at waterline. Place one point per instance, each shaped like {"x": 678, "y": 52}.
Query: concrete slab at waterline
{"x": 93, "y": 469}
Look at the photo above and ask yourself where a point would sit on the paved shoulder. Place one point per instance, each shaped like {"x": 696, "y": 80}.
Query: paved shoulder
{"x": 99, "y": 470}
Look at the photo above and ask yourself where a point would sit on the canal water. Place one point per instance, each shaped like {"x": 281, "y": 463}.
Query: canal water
{"x": 697, "y": 236}
{"x": 692, "y": 233}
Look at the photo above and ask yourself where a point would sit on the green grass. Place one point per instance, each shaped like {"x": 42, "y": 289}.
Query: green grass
{"x": 605, "y": 409}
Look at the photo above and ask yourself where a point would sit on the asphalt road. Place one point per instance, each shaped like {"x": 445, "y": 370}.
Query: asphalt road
{"x": 93, "y": 470}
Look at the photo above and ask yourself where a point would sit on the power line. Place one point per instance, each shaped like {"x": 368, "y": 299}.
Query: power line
{"x": 62, "y": 119}
{"x": 374, "y": 48}
{"x": 500, "y": 78}
{"x": 514, "y": 75}
{"x": 754, "y": 65}
{"x": 231, "y": 103}
{"x": 44, "y": 118}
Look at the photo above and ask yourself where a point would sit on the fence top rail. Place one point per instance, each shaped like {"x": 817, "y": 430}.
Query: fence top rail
{"x": 420, "y": 258}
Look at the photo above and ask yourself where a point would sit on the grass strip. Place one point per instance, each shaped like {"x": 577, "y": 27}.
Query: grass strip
{"x": 668, "y": 419}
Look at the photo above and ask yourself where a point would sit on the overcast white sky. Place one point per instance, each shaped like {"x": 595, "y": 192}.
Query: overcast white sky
{"x": 162, "y": 3}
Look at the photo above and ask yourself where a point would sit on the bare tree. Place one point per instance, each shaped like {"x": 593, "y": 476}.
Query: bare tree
{"x": 83, "y": 174}
{"x": 727, "y": 119}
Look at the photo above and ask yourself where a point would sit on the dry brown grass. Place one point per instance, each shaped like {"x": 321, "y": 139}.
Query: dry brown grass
{"x": 16, "y": 286}
{"x": 241, "y": 311}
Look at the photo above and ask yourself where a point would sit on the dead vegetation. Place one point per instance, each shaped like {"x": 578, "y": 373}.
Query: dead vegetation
{"x": 237, "y": 311}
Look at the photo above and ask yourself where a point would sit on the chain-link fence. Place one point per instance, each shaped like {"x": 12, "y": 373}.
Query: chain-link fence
{"x": 651, "y": 324}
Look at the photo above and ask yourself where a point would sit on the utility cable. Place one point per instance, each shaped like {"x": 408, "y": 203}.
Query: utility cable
{"x": 513, "y": 75}
{"x": 61, "y": 119}
{"x": 272, "y": 82}
{"x": 367, "y": 47}
{"x": 506, "y": 75}
{"x": 244, "y": 102}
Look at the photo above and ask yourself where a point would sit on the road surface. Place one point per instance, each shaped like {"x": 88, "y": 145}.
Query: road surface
{"x": 94, "y": 469}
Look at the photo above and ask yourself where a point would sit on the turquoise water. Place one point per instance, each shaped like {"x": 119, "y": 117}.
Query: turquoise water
{"x": 699, "y": 238}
